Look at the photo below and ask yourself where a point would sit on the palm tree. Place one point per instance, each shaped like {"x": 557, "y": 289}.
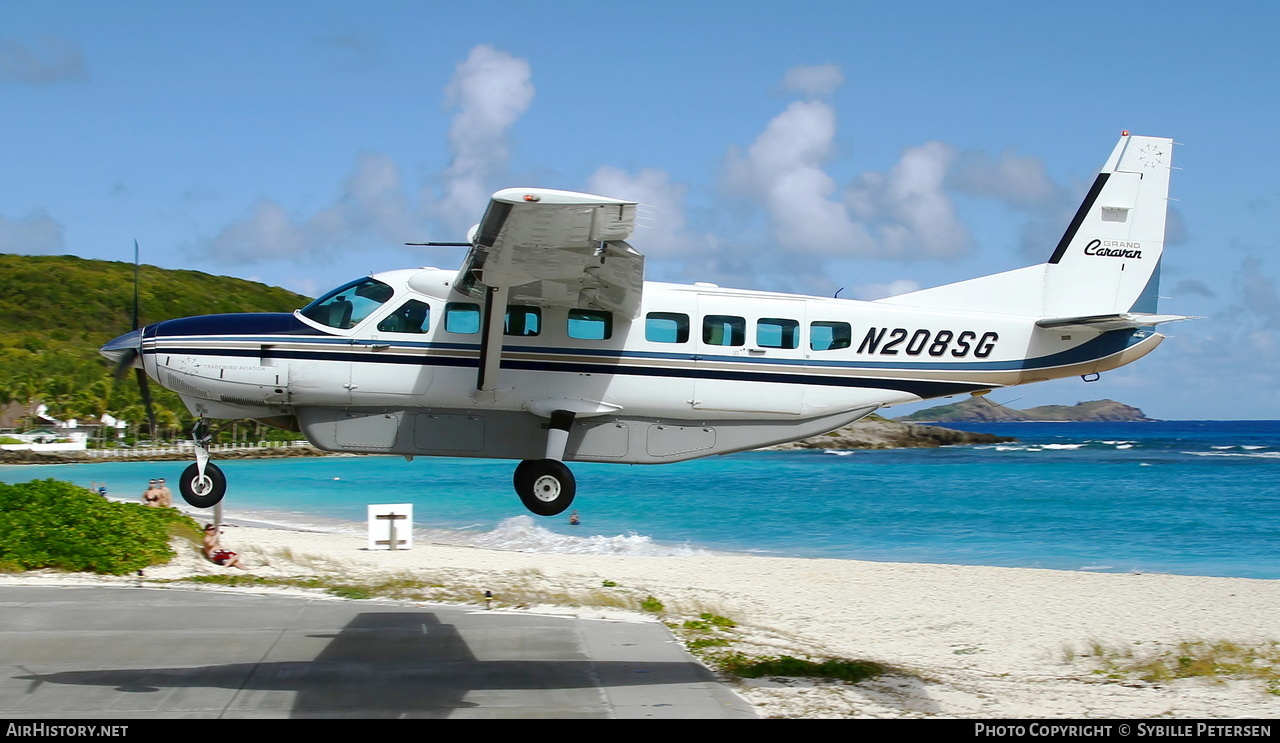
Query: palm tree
{"x": 22, "y": 389}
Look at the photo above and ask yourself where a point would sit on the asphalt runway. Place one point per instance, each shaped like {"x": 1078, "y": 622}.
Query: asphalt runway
{"x": 141, "y": 653}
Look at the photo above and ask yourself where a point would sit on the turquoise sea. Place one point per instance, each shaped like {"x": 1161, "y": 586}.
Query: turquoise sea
{"x": 1185, "y": 497}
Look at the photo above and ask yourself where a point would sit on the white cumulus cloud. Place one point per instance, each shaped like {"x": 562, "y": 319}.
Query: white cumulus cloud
{"x": 783, "y": 170}
{"x": 813, "y": 80}
{"x": 490, "y": 91}
{"x": 909, "y": 208}
{"x": 35, "y": 234}
{"x": 372, "y": 206}
{"x": 49, "y": 61}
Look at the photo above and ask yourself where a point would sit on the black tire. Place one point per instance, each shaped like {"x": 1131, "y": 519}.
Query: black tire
{"x": 205, "y": 494}
{"x": 545, "y": 486}
{"x": 521, "y": 473}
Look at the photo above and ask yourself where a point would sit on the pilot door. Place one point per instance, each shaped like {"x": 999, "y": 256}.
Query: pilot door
{"x": 390, "y": 366}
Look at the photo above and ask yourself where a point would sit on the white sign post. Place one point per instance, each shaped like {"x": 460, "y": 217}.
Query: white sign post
{"x": 391, "y": 526}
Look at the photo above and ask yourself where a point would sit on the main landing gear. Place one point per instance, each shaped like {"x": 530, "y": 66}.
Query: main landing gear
{"x": 546, "y": 486}
{"x": 202, "y": 484}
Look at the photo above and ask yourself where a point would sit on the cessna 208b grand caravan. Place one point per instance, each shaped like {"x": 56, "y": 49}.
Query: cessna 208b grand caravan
{"x": 547, "y": 346}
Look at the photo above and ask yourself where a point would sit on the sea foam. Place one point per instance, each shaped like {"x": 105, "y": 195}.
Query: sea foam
{"x": 523, "y": 534}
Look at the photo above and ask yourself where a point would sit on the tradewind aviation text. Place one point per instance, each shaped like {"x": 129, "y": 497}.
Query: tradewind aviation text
{"x": 1123, "y": 730}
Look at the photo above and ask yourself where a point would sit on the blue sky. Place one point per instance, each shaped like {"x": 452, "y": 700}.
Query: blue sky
{"x": 808, "y": 147}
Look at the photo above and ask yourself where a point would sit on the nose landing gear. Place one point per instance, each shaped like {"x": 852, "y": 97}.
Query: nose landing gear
{"x": 202, "y": 484}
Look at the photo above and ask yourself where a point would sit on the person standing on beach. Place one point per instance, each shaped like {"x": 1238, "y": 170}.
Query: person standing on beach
{"x": 166, "y": 495}
{"x": 151, "y": 496}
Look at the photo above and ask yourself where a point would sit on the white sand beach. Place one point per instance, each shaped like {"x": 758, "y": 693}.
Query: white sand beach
{"x": 963, "y": 642}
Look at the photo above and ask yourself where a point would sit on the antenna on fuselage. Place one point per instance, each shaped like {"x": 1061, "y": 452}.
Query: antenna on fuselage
{"x": 443, "y": 245}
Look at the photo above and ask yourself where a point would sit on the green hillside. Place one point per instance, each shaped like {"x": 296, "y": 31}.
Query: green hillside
{"x": 56, "y": 311}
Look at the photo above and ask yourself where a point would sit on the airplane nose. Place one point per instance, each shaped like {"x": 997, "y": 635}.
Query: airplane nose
{"x": 126, "y": 350}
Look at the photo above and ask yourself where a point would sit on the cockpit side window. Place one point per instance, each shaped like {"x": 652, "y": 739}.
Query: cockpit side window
{"x": 349, "y": 304}
{"x": 412, "y": 317}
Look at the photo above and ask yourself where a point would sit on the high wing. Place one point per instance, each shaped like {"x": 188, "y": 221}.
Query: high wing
{"x": 552, "y": 249}
{"x": 556, "y": 249}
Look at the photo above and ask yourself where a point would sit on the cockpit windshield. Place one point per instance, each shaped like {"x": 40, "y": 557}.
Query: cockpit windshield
{"x": 349, "y": 304}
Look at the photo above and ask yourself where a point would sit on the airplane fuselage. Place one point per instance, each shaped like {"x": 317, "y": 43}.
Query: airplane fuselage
{"x": 701, "y": 370}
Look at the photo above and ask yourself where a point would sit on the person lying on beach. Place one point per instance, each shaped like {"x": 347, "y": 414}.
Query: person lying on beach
{"x": 215, "y": 554}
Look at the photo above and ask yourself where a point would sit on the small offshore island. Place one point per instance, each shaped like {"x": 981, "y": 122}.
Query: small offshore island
{"x": 874, "y": 432}
{"x": 979, "y": 410}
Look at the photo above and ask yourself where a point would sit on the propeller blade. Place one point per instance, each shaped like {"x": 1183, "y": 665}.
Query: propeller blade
{"x": 144, "y": 387}
{"x": 126, "y": 360}
{"x": 135, "y": 285}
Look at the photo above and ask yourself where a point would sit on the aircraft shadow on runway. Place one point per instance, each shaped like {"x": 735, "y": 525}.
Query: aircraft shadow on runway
{"x": 402, "y": 664}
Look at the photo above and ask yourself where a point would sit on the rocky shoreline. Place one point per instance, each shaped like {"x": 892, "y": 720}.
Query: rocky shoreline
{"x": 886, "y": 434}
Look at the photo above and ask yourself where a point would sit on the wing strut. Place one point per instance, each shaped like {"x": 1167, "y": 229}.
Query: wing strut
{"x": 495, "y": 312}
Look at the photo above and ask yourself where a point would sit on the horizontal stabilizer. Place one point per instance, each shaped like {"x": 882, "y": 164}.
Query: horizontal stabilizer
{"x": 1103, "y": 323}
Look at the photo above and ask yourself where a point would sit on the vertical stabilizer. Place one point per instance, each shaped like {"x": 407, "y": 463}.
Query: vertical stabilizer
{"x": 1110, "y": 252}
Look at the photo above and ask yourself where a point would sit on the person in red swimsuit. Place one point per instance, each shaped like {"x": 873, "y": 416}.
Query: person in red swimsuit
{"x": 215, "y": 554}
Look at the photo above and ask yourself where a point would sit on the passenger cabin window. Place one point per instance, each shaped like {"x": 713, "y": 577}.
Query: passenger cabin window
{"x": 829, "y": 336}
{"x": 462, "y": 317}
{"x": 724, "y": 330}
{"x": 412, "y": 317}
{"x": 666, "y": 327}
{"x": 349, "y": 304}
{"x": 590, "y": 325}
{"x": 523, "y": 320}
{"x": 775, "y": 332}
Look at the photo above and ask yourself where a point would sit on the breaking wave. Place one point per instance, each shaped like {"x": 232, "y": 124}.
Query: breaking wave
{"x": 523, "y": 534}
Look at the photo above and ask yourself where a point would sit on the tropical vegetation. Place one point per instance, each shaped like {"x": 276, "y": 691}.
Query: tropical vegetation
{"x": 53, "y": 524}
{"x": 57, "y": 311}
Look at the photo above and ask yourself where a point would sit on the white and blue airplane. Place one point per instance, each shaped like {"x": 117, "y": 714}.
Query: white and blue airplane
{"x": 547, "y": 346}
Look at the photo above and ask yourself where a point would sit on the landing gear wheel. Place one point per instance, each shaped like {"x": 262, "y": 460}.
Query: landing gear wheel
{"x": 545, "y": 486}
{"x": 202, "y": 492}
